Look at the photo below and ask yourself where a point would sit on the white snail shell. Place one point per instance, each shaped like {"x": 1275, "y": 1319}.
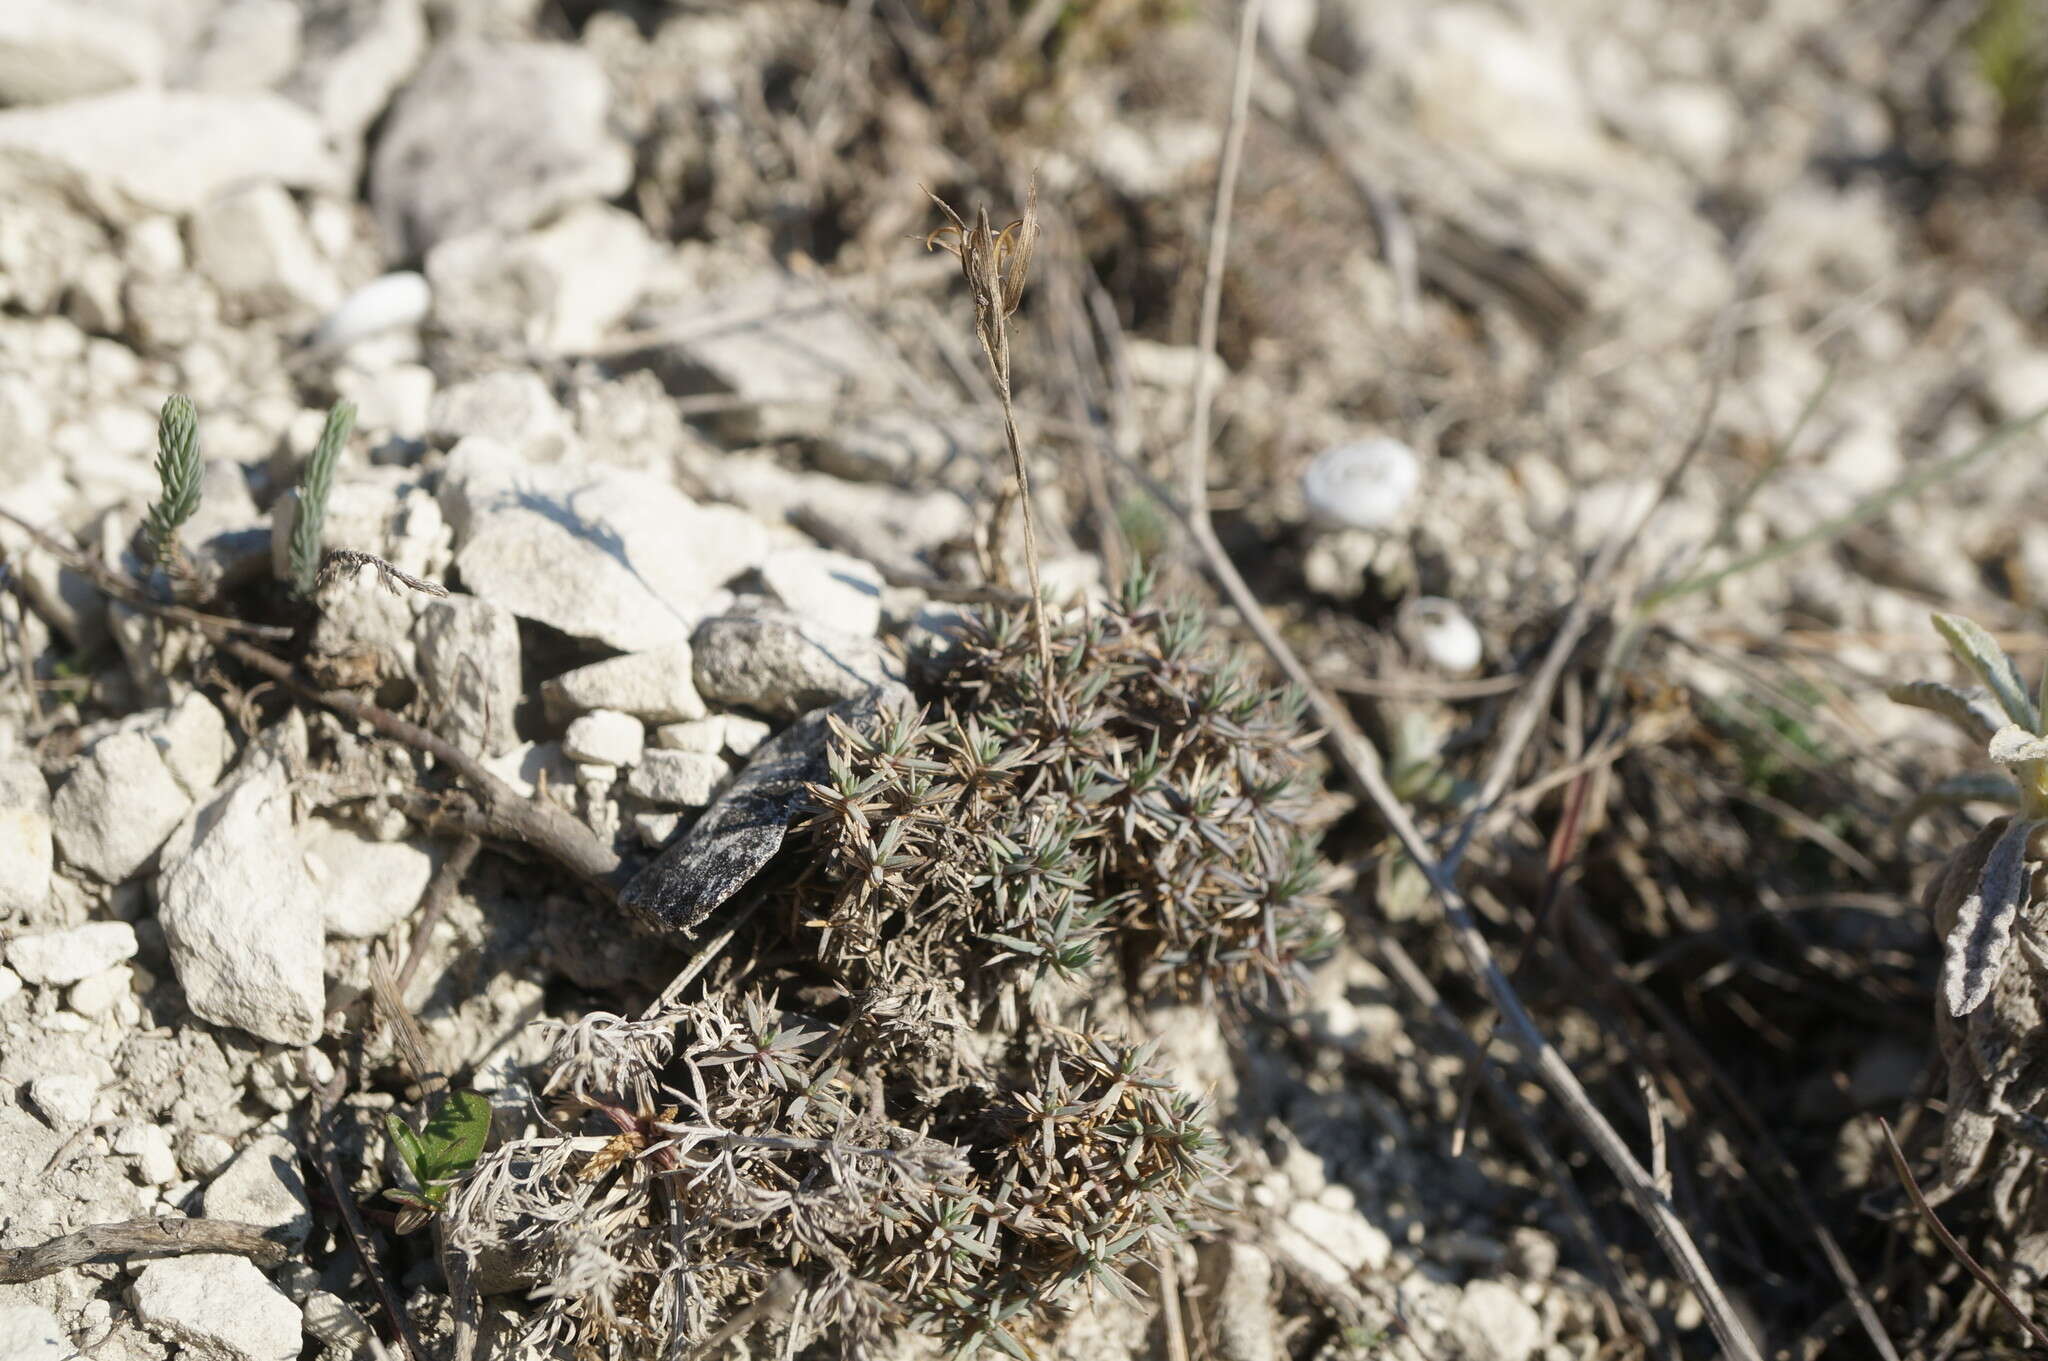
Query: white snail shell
{"x": 385, "y": 303}
{"x": 1443, "y": 633}
{"x": 1362, "y": 485}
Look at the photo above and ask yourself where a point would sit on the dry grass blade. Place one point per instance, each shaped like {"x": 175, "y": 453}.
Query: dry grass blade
{"x": 1362, "y": 765}
{"x": 1948, "y": 1240}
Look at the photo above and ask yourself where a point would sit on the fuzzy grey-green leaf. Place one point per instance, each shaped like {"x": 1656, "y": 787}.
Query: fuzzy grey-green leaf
{"x": 1976, "y": 949}
{"x": 1980, "y": 652}
{"x": 1971, "y": 710}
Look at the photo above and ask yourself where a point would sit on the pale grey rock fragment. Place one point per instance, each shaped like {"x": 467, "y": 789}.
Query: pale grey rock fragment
{"x": 240, "y": 914}
{"x": 559, "y": 289}
{"x": 261, "y": 1185}
{"x": 655, "y": 687}
{"x": 706, "y": 735}
{"x": 677, "y": 779}
{"x": 618, "y": 558}
{"x": 59, "y": 958}
{"x": 1238, "y": 1281}
{"x": 249, "y": 45}
{"x": 29, "y": 1332}
{"x": 192, "y": 737}
{"x": 605, "y": 736}
{"x": 820, "y": 586}
{"x": 779, "y": 665}
{"x": 356, "y": 53}
{"x": 253, "y": 244}
{"x": 494, "y": 134}
{"x": 65, "y": 1099}
{"x": 172, "y": 151}
{"x": 512, "y": 406}
{"x": 118, "y": 806}
{"x": 219, "y": 1307}
{"x": 1494, "y": 1323}
{"x": 54, "y": 50}
{"x": 27, "y": 853}
{"x": 364, "y": 887}
{"x": 469, "y": 671}
{"x": 150, "y": 1146}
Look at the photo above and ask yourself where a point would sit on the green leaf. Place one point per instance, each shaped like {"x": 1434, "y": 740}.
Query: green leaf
{"x": 410, "y": 1149}
{"x": 311, "y": 521}
{"x": 178, "y": 473}
{"x": 1980, "y": 652}
{"x": 454, "y": 1137}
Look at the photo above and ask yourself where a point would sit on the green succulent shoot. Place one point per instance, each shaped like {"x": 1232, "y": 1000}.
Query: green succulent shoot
{"x": 311, "y": 521}
{"x": 438, "y": 1153}
{"x": 2004, "y": 716}
{"x": 178, "y": 473}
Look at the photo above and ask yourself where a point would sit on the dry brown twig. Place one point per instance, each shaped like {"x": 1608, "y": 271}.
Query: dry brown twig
{"x": 167, "y": 1236}
{"x": 1361, "y": 764}
{"x": 1948, "y": 1240}
{"x": 996, "y": 266}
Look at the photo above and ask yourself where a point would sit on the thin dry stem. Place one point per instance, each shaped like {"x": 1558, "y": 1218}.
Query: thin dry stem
{"x": 996, "y": 266}
{"x": 1361, "y": 764}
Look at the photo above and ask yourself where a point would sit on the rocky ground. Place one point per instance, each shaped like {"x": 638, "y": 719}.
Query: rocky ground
{"x": 652, "y": 372}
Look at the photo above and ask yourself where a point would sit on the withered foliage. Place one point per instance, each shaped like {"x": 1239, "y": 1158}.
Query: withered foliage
{"x": 1153, "y": 808}
{"x": 908, "y": 1110}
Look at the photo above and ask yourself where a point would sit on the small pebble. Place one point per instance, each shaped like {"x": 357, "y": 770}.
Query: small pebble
{"x": 706, "y": 735}
{"x": 1443, "y": 633}
{"x": 150, "y": 1146}
{"x": 103, "y": 992}
{"x": 677, "y": 779}
{"x": 743, "y": 734}
{"x": 64, "y": 957}
{"x": 654, "y": 829}
{"x": 65, "y": 1099}
{"x": 605, "y": 737}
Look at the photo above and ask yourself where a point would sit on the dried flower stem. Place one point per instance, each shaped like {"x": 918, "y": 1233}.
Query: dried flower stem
{"x": 996, "y": 265}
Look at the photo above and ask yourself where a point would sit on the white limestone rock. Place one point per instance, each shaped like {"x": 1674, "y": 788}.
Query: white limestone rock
{"x": 261, "y": 1185}
{"x": 219, "y": 1307}
{"x": 494, "y": 134}
{"x": 364, "y": 887}
{"x": 469, "y": 671}
{"x": 677, "y": 779}
{"x": 655, "y": 687}
{"x": 823, "y": 587}
{"x": 29, "y": 1332}
{"x": 173, "y": 151}
{"x": 118, "y": 806}
{"x": 26, "y": 850}
{"x": 60, "y": 958}
{"x": 605, "y": 737}
{"x": 241, "y": 915}
{"x": 776, "y": 664}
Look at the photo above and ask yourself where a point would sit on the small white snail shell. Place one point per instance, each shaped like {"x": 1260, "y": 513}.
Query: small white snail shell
{"x": 1442, "y": 632}
{"x": 385, "y": 303}
{"x": 1362, "y": 485}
